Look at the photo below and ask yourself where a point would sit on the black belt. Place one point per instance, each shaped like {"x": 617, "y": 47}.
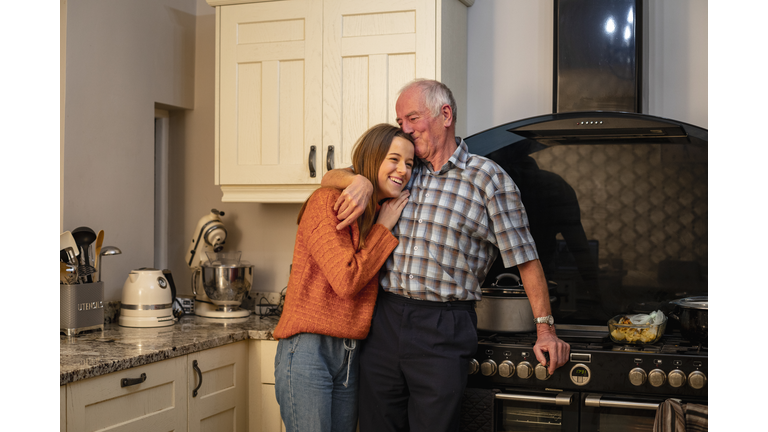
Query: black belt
{"x": 459, "y": 304}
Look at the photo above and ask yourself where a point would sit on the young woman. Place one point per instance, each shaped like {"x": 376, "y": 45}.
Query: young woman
{"x": 332, "y": 288}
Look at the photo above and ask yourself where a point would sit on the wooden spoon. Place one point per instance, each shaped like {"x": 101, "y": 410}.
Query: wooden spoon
{"x": 97, "y": 253}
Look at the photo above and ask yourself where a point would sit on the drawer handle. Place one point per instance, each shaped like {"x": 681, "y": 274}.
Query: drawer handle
{"x": 329, "y": 159}
{"x": 564, "y": 398}
{"x": 312, "y": 161}
{"x": 199, "y": 377}
{"x": 127, "y": 382}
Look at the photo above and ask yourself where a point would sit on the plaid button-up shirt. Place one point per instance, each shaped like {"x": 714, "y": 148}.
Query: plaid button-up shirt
{"x": 449, "y": 227}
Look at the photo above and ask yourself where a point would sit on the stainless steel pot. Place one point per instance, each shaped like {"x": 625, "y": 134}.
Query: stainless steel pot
{"x": 692, "y": 313}
{"x": 226, "y": 285}
{"x": 505, "y": 308}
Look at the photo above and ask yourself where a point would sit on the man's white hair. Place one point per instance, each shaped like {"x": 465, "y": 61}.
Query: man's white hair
{"x": 436, "y": 94}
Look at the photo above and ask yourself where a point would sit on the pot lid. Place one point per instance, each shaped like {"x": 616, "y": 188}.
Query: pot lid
{"x": 699, "y": 302}
{"x": 504, "y": 291}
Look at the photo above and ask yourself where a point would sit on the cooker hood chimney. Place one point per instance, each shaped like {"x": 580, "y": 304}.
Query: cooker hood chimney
{"x": 597, "y": 97}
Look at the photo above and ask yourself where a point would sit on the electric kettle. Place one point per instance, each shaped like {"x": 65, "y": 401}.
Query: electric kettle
{"x": 147, "y": 301}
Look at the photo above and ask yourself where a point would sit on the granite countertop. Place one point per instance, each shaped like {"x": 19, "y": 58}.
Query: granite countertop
{"x": 118, "y": 348}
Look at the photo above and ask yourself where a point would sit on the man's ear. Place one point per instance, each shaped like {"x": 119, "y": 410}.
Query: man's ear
{"x": 447, "y": 113}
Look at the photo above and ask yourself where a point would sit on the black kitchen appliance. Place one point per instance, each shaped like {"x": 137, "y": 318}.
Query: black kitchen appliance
{"x": 617, "y": 205}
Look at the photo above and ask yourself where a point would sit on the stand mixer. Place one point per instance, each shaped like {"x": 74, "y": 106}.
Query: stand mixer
{"x": 222, "y": 276}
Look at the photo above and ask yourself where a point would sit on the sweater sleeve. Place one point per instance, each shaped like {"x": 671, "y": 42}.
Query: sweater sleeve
{"x": 347, "y": 269}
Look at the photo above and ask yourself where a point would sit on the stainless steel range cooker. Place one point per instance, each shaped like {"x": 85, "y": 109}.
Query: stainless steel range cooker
{"x": 617, "y": 206}
{"x": 603, "y": 387}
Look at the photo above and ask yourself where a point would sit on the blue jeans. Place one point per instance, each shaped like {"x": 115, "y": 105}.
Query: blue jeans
{"x": 316, "y": 383}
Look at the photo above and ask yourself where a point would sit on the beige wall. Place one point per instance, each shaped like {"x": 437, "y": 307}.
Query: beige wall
{"x": 122, "y": 57}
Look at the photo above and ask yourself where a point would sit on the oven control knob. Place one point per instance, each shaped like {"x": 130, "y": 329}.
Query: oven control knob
{"x": 657, "y": 377}
{"x": 524, "y": 370}
{"x": 507, "y": 369}
{"x": 474, "y": 366}
{"x": 637, "y": 376}
{"x": 488, "y": 367}
{"x": 677, "y": 378}
{"x": 697, "y": 379}
{"x": 541, "y": 372}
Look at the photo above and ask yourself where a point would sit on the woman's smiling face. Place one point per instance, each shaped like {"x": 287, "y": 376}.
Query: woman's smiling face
{"x": 395, "y": 170}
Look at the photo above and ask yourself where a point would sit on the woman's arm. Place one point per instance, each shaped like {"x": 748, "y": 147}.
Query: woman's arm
{"x": 347, "y": 269}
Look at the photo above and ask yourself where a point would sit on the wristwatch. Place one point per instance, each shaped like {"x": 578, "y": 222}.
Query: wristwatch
{"x": 549, "y": 319}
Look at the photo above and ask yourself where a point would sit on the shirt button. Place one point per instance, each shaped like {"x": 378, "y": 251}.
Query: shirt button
{"x": 421, "y": 220}
{"x": 426, "y": 195}
{"x": 415, "y": 248}
{"x": 410, "y": 276}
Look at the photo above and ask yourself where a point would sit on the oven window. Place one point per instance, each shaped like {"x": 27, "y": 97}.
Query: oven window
{"x": 518, "y": 418}
{"x": 615, "y": 420}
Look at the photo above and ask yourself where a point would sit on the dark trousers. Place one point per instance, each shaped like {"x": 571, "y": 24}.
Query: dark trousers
{"x": 414, "y": 364}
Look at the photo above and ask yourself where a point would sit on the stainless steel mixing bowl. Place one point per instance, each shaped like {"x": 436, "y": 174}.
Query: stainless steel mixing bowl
{"x": 227, "y": 285}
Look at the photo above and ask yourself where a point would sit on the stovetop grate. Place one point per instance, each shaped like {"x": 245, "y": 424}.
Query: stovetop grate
{"x": 588, "y": 340}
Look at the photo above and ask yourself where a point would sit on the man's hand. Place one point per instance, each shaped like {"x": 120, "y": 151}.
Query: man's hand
{"x": 548, "y": 342}
{"x": 351, "y": 204}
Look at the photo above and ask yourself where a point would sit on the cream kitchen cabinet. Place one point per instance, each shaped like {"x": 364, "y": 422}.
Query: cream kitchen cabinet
{"x": 152, "y": 397}
{"x": 265, "y": 412}
{"x": 217, "y": 388}
{"x": 167, "y": 395}
{"x": 298, "y": 81}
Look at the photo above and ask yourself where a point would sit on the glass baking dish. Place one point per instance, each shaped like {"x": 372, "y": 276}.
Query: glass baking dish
{"x": 622, "y": 331}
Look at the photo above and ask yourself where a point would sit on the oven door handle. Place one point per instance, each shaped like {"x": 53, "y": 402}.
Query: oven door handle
{"x": 564, "y": 398}
{"x": 597, "y": 401}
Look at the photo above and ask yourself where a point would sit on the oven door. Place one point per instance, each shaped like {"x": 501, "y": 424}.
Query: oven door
{"x": 536, "y": 411}
{"x": 618, "y": 413}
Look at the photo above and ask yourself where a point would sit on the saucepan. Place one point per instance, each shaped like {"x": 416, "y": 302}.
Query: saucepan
{"x": 692, "y": 313}
{"x": 505, "y": 307}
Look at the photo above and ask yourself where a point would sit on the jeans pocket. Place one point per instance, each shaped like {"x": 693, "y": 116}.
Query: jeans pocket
{"x": 279, "y": 352}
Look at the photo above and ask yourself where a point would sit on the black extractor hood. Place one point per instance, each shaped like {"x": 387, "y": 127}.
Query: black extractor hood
{"x": 587, "y": 128}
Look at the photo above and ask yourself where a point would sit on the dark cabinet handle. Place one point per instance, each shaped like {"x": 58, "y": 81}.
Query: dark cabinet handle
{"x": 199, "y": 377}
{"x": 126, "y": 382}
{"x": 329, "y": 158}
{"x": 312, "y": 161}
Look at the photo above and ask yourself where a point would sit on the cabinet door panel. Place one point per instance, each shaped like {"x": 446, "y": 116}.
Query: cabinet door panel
{"x": 221, "y": 402}
{"x": 370, "y": 50}
{"x": 157, "y": 404}
{"x": 270, "y": 92}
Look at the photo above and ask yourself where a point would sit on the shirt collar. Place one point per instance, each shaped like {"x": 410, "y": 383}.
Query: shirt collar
{"x": 459, "y": 157}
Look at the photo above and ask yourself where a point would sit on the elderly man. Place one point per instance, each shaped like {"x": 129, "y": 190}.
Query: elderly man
{"x": 414, "y": 363}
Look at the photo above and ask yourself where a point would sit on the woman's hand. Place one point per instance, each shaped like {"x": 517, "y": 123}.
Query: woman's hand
{"x": 391, "y": 210}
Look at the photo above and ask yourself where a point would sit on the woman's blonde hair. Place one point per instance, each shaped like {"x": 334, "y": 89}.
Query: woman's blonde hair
{"x": 367, "y": 156}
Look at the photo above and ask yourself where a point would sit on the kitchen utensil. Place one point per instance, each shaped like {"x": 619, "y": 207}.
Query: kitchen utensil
{"x": 67, "y": 273}
{"x": 107, "y": 251}
{"x": 67, "y": 243}
{"x": 147, "y": 300}
{"x": 635, "y": 334}
{"x": 692, "y": 313}
{"x": 84, "y": 236}
{"x": 97, "y": 253}
{"x": 505, "y": 308}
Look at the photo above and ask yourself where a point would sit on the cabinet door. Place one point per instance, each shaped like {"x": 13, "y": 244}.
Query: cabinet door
{"x": 371, "y": 49}
{"x": 221, "y": 401}
{"x": 158, "y": 403}
{"x": 269, "y": 93}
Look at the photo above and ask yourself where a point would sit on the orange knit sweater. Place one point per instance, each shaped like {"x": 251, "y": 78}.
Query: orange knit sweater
{"x": 332, "y": 287}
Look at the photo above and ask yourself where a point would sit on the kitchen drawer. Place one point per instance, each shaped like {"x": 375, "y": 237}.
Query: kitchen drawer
{"x": 158, "y": 403}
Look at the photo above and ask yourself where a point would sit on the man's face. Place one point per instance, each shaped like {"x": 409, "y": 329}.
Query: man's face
{"x": 415, "y": 119}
